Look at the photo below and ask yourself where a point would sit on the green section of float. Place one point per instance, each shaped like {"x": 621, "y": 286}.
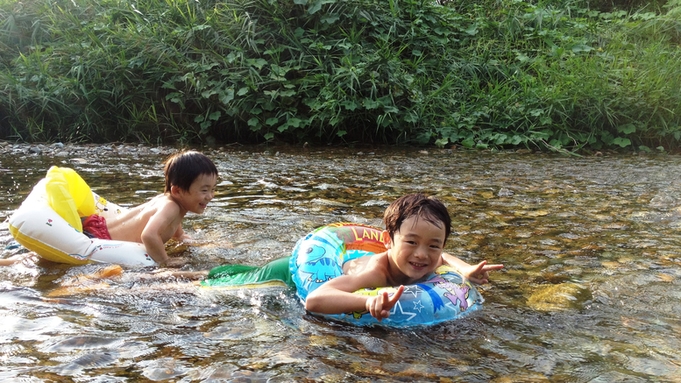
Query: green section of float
{"x": 238, "y": 275}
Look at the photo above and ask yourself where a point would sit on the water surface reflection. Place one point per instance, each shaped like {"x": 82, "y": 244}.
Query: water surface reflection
{"x": 590, "y": 291}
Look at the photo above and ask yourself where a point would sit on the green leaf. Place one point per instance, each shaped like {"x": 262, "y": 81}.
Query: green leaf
{"x": 472, "y": 30}
{"x": 622, "y": 142}
{"x": 349, "y": 104}
{"x": 423, "y": 138}
{"x": 501, "y": 139}
{"x": 231, "y": 57}
{"x": 330, "y": 19}
{"x": 558, "y": 144}
{"x": 371, "y": 104}
{"x": 258, "y": 63}
{"x": 468, "y": 142}
{"x": 295, "y": 122}
{"x": 314, "y": 8}
{"x": 626, "y": 128}
{"x": 411, "y": 117}
{"x": 441, "y": 142}
{"x": 208, "y": 93}
{"x": 579, "y": 48}
{"x": 227, "y": 96}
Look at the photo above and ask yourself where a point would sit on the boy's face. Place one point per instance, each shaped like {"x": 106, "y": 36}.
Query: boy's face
{"x": 200, "y": 192}
{"x": 416, "y": 249}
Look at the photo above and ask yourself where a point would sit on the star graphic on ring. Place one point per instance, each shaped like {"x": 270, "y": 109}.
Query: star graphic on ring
{"x": 410, "y": 315}
{"x": 413, "y": 290}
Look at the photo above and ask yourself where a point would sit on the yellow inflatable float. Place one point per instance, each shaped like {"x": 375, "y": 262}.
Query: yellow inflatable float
{"x": 49, "y": 223}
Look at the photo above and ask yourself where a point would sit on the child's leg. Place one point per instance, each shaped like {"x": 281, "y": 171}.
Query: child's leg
{"x": 235, "y": 275}
{"x": 13, "y": 259}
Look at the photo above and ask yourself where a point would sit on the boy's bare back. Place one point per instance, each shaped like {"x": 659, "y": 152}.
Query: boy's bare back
{"x": 162, "y": 213}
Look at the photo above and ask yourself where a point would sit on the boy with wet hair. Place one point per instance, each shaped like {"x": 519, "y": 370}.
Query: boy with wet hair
{"x": 416, "y": 228}
{"x": 190, "y": 181}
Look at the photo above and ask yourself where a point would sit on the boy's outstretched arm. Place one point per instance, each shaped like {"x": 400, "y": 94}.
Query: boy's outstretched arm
{"x": 336, "y": 297}
{"x": 475, "y": 273}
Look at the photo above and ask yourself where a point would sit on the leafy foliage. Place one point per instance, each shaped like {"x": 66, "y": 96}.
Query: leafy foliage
{"x": 495, "y": 74}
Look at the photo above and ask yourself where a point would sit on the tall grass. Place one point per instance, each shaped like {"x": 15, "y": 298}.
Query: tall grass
{"x": 494, "y": 74}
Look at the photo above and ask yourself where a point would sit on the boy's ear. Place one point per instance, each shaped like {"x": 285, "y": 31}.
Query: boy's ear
{"x": 175, "y": 190}
{"x": 387, "y": 241}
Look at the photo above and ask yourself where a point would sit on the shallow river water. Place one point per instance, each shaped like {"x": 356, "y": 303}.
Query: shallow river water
{"x": 590, "y": 290}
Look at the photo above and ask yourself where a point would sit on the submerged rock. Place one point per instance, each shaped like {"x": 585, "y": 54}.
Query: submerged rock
{"x": 559, "y": 297}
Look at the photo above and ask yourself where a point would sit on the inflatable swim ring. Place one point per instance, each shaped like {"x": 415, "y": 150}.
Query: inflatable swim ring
{"x": 48, "y": 222}
{"x": 318, "y": 257}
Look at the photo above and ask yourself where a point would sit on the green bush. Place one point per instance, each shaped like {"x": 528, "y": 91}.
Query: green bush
{"x": 496, "y": 74}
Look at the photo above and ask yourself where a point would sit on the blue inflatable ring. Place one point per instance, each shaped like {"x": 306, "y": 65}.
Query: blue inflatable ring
{"x": 318, "y": 257}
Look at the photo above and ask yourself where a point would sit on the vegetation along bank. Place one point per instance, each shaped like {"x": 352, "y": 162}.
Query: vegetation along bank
{"x": 550, "y": 75}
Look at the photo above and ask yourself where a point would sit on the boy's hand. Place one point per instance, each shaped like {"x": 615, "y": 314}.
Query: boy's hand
{"x": 480, "y": 273}
{"x": 174, "y": 262}
{"x": 379, "y": 306}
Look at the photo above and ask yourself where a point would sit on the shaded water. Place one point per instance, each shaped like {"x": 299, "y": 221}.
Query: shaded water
{"x": 589, "y": 293}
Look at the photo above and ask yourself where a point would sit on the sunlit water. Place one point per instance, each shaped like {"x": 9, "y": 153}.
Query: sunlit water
{"x": 590, "y": 290}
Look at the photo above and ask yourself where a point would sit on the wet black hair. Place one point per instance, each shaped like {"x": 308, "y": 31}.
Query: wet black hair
{"x": 429, "y": 208}
{"x": 181, "y": 169}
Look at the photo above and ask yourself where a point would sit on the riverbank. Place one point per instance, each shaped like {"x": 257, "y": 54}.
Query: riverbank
{"x": 83, "y": 151}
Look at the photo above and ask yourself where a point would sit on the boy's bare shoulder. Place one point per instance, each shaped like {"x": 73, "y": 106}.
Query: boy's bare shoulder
{"x": 160, "y": 199}
{"x": 160, "y": 202}
{"x": 375, "y": 264}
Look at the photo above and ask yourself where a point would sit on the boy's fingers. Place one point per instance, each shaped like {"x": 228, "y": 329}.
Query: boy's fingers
{"x": 397, "y": 295}
{"x": 493, "y": 267}
{"x": 380, "y": 306}
{"x": 377, "y": 308}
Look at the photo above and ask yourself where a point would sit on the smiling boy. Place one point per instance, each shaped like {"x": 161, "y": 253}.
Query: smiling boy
{"x": 190, "y": 181}
{"x": 416, "y": 228}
